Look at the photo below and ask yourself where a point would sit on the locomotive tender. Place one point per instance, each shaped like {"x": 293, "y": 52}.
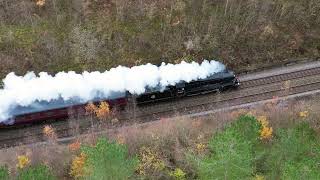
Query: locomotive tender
{"x": 216, "y": 82}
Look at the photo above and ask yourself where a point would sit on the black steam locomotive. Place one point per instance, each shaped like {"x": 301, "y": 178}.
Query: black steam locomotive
{"x": 215, "y": 83}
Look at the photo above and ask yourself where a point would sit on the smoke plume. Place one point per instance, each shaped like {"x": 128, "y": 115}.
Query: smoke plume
{"x": 26, "y": 90}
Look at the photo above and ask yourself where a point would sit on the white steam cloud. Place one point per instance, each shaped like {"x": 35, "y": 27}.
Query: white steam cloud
{"x": 25, "y": 90}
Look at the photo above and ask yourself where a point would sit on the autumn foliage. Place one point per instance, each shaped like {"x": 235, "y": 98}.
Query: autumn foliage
{"x": 23, "y": 161}
{"x": 102, "y": 111}
{"x": 149, "y": 161}
{"x": 48, "y": 131}
{"x": 304, "y": 114}
{"x": 77, "y": 166}
{"x": 265, "y": 131}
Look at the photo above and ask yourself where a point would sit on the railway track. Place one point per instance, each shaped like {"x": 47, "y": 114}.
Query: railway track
{"x": 250, "y": 91}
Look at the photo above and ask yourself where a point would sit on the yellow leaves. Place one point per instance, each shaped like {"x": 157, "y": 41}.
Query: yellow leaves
{"x": 23, "y": 161}
{"x": 178, "y": 174}
{"x": 150, "y": 161}
{"x": 90, "y": 108}
{"x": 40, "y": 3}
{"x": 304, "y": 114}
{"x": 265, "y": 131}
{"x": 200, "y": 147}
{"x": 48, "y": 131}
{"x": 263, "y": 121}
{"x": 102, "y": 111}
{"x": 77, "y": 166}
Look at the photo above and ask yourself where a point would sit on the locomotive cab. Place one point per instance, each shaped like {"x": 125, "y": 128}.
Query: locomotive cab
{"x": 236, "y": 81}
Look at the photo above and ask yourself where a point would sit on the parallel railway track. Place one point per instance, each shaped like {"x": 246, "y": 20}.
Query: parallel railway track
{"x": 249, "y": 91}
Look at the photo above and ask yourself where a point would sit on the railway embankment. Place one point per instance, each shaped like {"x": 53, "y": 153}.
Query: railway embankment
{"x": 280, "y": 83}
{"x": 255, "y": 137}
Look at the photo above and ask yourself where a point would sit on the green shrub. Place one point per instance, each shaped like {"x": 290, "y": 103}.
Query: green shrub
{"x": 295, "y": 154}
{"x": 39, "y": 172}
{"x": 178, "y": 174}
{"x": 306, "y": 168}
{"x": 4, "y": 173}
{"x": 232, "y": 150}
{"x": 108, "y": 160}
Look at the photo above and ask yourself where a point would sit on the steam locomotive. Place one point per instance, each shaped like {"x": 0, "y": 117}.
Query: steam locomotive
{"x": 216, "y": 82}
{"x": 42, "y": 111}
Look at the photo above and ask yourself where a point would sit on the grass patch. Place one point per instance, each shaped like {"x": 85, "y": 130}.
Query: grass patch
{"x": 232, "y": 150}
{"x": 294, "y": 154}
{"x": 108, "y": 160}
{"x": 36, "y": 172}
{"x": 4, "y": 173}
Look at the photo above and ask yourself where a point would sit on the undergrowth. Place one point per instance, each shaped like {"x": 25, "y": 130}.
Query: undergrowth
{"x": 4, "y": 173}
{"x": 233, "y": 151}
{"x": 35, "y": 173}
{"x": 108, "y": 160}
{"x": 238, "y": 150}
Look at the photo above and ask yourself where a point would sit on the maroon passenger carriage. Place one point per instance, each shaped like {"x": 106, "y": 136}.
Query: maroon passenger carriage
{"x": 29, "y": 115}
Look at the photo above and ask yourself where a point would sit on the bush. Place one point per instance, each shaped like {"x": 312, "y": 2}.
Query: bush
{"x": 178, "y": 174}
{"x": 151, "y": 165}
{"x": 232, "y": 150}
{"x": 108, "y": 160}
{"x": 295, "y": 154}
{"x": 4, "y": 173}
{"x": 38, "y": 172}
{"x": 306, "y": 168}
